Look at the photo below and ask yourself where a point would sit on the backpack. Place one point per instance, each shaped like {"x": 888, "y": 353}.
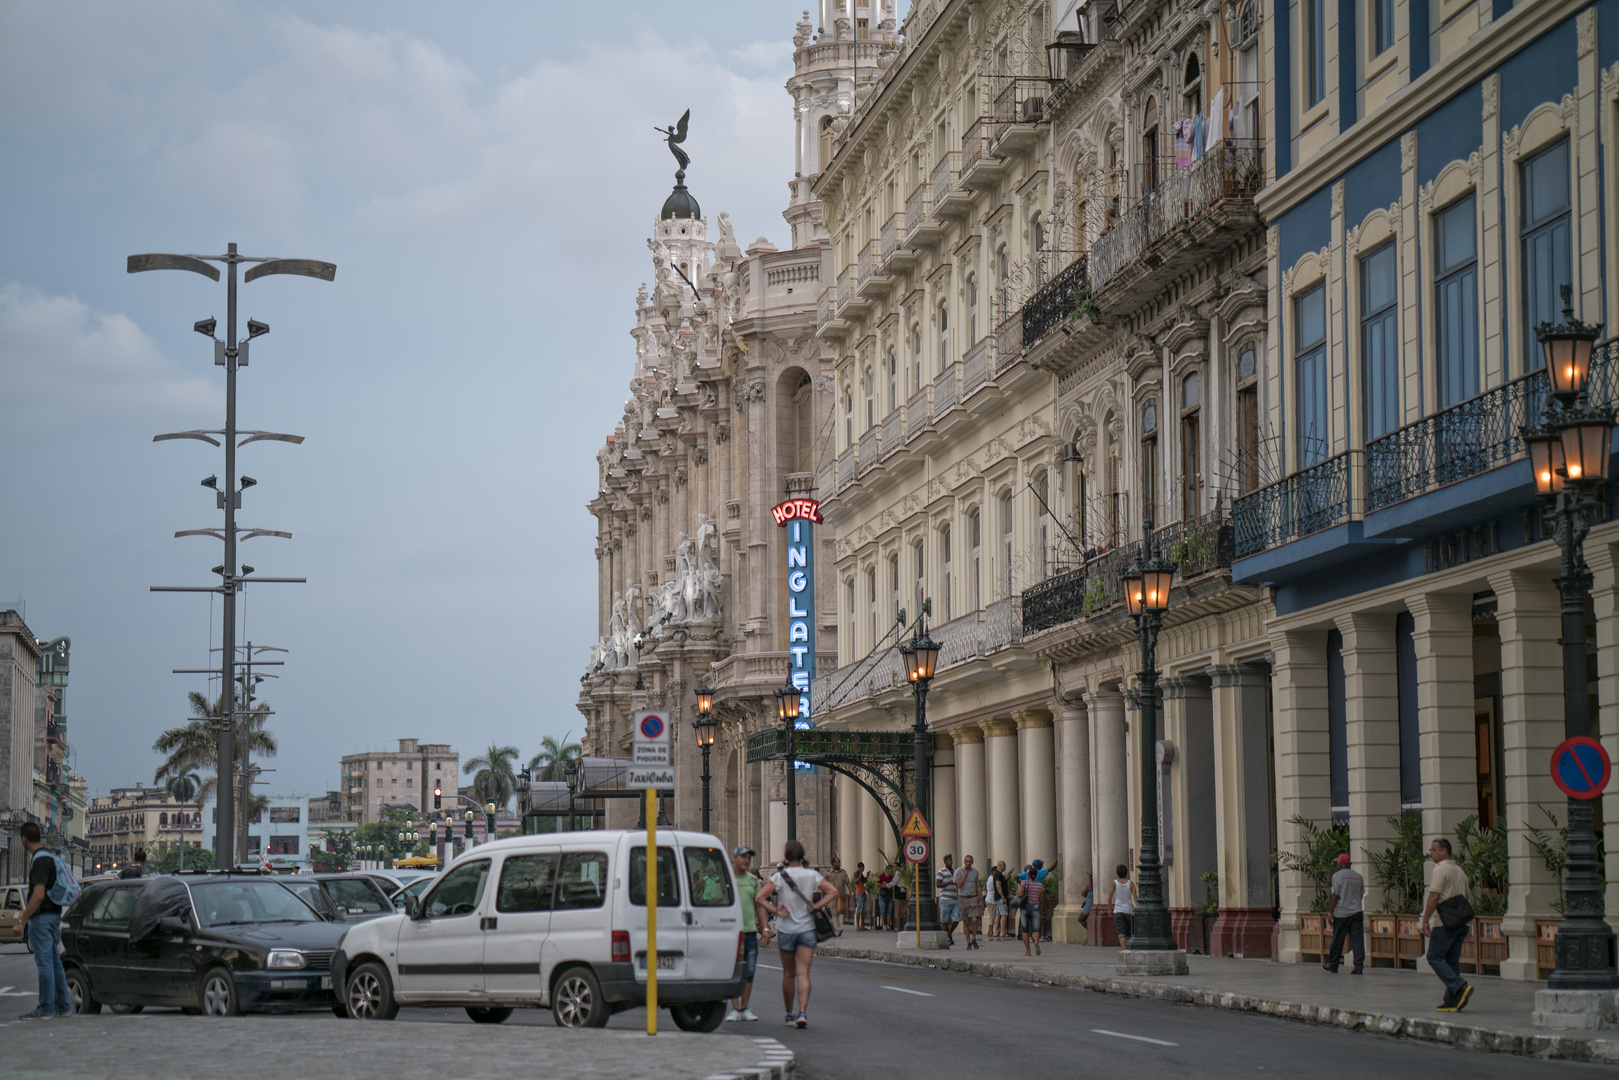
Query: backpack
{"x": 66, "y": 890}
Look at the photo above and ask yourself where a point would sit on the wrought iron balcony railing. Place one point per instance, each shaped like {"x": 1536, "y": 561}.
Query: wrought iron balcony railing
{"x": 917, "y": 206}
{"x": 1022, "y": 101}
{"x": 917, "y": 413}
{"x": 845, "y": 285}
{"x": 1233, "y": 169}
{"x": 866, "y": 262}
{"x": 1057, "y": 300}
{"x": 945, "y": 174}
{"x": 893, "y": 234}
{"x": 1310, "y": 500}
{"x": 975, "y": 367}
{"x": 978, "y": 143}
{"x": 945, "y": 388}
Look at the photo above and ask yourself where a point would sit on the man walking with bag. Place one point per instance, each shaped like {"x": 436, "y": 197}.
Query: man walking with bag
{"x": 1348, "y": 917}
{"x": 42, "y": 923}
{"x": 1445, "y": 919}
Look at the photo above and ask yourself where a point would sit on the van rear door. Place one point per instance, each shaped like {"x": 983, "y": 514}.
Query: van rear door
{"x": 672, "y": 914}
{"x": 716, "y": 917}
{"x": 517, "y": 926}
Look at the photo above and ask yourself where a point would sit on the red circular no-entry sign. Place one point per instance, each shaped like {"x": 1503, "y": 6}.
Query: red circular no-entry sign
{"x": 1580, "y": 767}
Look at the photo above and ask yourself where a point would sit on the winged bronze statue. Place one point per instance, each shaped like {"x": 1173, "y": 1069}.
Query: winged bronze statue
{"x": 675, "y": 135}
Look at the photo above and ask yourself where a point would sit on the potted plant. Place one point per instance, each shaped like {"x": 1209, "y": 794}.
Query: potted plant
{"x": 1396, "y": 932}
{"x": 1318, "y": 861}
{"x": 1482, "y": 855}
{"x": 1209, "y": 908}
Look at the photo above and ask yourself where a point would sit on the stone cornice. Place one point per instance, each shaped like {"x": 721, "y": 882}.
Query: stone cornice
{"x": 1494, "y": 44}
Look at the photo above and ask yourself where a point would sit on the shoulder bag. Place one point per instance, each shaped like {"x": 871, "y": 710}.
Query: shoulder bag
{"x": 1455, "y": 912}
{"x": 823, "y": 922}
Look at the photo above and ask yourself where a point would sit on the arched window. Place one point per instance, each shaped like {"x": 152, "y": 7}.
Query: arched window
{"x": 163, "y": 820}
{"x": 1149, "y": 146}
{"x": 1192, "y": 86}
{"x": 803, "y": 428}
{"x": 1191, "y": 449}
{"x": 893, "y": 585}
{"x": 1003, "y": 281}
{"x": 1149, "y": 459}
{"x": 1042, "y": 527}
{"x": 916, "y": 357}
{"x": 1006, "y": 542}
{"x": 871, "y": 589}
{"x": 1247, "y": 419}
{"x": 851, "y": 650}
{"x": 826, "y": 144}
{"x": 1037, "y": 241}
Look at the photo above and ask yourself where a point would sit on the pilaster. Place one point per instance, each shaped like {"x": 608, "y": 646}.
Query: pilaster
{"x": 1242, "y": 783}
{"x": 1001, "y": 757}
{"x": 1073, "y": 819}
{"x": 1372, "y": 722}
{"x": 1604, "y": 562}
{"x": 1303, "y": 780}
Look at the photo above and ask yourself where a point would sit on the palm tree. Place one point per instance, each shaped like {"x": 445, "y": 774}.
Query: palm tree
{"x": 552, "y": 762}
{"x": 183, "y": 786}
{"x": 195, "y": 746}
{"x": 493, "y": 779}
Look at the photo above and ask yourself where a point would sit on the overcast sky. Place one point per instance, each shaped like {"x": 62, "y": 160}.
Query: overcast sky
{"x": 484, "y": 175}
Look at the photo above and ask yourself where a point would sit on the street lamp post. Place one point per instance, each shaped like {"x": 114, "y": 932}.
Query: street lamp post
{"x": 229, "y": 354}
{"x": 489, "y": 825}
{"x": 1146, "y": 593}
{"x": 921, "y": 657}
{"x": 787, "y": 712}
{"x": 1568, "y": 451}
{"x": 704, "y": 726}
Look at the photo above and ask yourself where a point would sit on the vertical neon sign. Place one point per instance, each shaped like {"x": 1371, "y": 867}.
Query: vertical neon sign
{"x": 798, "y": 517}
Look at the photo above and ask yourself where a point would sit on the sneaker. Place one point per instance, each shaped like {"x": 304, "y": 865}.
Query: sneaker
{"x": 1442, "y": 1007}
{"x": 1467, "y": 994}
{"x": 1037, "y": 948}
{"x": 1357, "y": 971}
{"x": 792, "y": 1021}
{"x": 35, "y": 1014}
{"x": 747, "y": 1016}
{"x": 802, "y": 1021}
{"x": 1329, "y": 969}
{"x": 733, "y": 1016}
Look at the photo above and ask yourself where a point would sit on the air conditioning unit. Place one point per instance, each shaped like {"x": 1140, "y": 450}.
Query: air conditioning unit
{"x": 1032, "y": 108}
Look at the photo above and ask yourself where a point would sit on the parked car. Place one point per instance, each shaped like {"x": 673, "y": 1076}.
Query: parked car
{"x": 413, "y": 890}
{"x": 13, "y": 898}
{"x": 397, "y": 878}
{"x": 558, "y": 921}
{"x": 356, "y": 896}
{"x": 210, "y": 943}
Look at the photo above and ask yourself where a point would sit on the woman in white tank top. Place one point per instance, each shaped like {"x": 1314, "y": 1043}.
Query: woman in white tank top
{"x": 1124, "y": 905}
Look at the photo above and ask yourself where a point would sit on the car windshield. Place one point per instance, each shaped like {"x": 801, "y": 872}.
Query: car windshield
{"x": 357, "y": 895}
{"x": 310, "y": 893}
{"x": 235, "y": 903}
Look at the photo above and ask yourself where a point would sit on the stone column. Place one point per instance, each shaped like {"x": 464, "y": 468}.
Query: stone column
{"x": 1529, "y": 614}
{"x": 1372, "y": 727}
{"x": 1074, "y": 819}
{"x": 1001, "y": 754}
{"x": 1242, "y": 810}
{"x": 946, "y": 834}
{"x": 1443, "y": 635}
{"x": 1111, "y": 835}
{"x": 1303, "y": 772}
{"x": 1189, "y": 716}
{"x": 1037, "y": 783}
{"x": 1604, "y": 563}
{"x": 875, "y": 837}
{"x": 972, "y": 823}
{"x": 849, "y": 794}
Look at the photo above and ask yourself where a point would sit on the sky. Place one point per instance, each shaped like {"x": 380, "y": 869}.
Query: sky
{"x": 484, "y": 175}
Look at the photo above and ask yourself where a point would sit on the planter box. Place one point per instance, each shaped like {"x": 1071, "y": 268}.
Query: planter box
{"x": 1382, "y": 940}
{"x": 1315, "y": 935}
{"x": 1409, "y": 941}
{"x": 1546, "y": 945}
{"x": 1485, "y": 947}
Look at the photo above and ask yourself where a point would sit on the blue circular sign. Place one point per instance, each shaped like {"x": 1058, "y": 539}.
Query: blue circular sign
{"x": 1580, "y": 767}
{"x": 652, "y": 726}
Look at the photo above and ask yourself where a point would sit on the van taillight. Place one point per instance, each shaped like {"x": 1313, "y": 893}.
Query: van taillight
{"x": 621, "y": 946}
{"x": 739, "y": 948}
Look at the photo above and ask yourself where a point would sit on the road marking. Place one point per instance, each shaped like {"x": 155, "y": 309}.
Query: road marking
{"x": 772, "y": 967}
{"x": 1137, "y": 1038}
{"x": 902, "y": 990}
{"x": 6, "y": 991}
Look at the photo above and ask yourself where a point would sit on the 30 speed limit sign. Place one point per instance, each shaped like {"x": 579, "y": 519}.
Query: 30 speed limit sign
{"x": 916, "y": 849}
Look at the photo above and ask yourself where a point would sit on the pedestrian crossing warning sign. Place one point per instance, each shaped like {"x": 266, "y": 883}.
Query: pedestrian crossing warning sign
{"x": 915, "y": 825}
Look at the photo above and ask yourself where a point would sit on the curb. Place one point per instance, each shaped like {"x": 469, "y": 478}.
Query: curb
{"x": 778, "y": 1064}
{"x": 1494, "y": 1040}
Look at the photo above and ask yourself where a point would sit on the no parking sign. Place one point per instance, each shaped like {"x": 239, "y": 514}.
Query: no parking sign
{"x": 1580, "y": 767}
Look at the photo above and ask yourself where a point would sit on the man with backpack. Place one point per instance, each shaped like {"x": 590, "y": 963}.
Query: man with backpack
{"x": 51, "y": 889}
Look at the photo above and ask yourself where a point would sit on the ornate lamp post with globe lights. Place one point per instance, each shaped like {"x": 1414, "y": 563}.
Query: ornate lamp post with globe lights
{"x": 704, "y": 726}
{"x": 921, "y": 658}
{"x": 787, "y": 712}
{"x": 1568, "y": 450}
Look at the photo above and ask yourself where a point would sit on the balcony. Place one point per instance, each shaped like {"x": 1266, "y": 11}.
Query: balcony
{"x": 1020, "y": 107}
{"x": 980, "y": 165}
{"x": 919, "y": 223}
{"x": 950, "y": 198}
{"x": 945, "y": 389}
{"x": 868, "y": 449}
{"x": 1199, "y": 548}
{"x": 845, "y": 286}
{"x": 1008, "y": 346}
{"x": 917, "y": 413}
{"x": 893, "y": 432}
{"x": 892, "y": 240}
{"x": 1156, "y": 237}
{"x": 846, "y": 464}
{"x": 975, "y": 368}
{"x": 1298, "y": 506}
{"x": 863, "y": 263}
{"x": 1058, "y": 300}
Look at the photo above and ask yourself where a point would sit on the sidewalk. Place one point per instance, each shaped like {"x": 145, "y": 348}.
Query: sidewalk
{"x": 1383, "y": 1000}
{"x": 168, "y": 1045}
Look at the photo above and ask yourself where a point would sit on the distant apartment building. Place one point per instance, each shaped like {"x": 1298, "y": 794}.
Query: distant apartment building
{"x": 118, "y": 823}
{"x": 19, "y": 662}
{"x": 326, "y": 808}
{"x": 381, "y": 780}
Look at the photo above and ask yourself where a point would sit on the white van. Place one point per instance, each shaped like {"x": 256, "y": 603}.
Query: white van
{"x": 557, "y": 920}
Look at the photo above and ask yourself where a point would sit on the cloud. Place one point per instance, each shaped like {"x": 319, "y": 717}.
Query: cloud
{"x": 65, "y": 366}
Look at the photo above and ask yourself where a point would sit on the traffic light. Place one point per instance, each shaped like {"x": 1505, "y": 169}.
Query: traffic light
{"x": 438, "y": 797}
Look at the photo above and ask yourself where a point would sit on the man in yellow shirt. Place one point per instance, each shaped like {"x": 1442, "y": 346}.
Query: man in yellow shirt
{"x": 1445, "y": 945}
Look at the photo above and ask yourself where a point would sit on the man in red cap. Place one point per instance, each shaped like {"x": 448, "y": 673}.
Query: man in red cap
{"x": 1348, "y": 917}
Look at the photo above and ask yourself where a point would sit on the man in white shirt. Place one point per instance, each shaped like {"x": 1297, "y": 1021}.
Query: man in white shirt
{"x": 970, "y": 899}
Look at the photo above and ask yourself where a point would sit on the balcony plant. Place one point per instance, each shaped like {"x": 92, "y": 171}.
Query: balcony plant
{"x": 1319, "y": 860}
{"x": 1084, "y": 306}
{"x": 1095, "y": 598}
{"x": 1397, "y": 869}
{"x": 1482, "y": 855}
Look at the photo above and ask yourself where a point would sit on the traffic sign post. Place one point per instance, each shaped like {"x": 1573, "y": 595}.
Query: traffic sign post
{"x": 915, "y": 825}
{"x": 916, "y": 850}
{"x": 1581, "y": 768}
{"x": 651, "y": 767}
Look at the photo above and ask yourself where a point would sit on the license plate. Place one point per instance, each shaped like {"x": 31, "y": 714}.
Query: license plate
{"x": 666, "y": 961}
{"x": 325, "y": 982}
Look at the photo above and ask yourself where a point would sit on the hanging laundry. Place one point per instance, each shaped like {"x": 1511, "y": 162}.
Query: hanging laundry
{"x": 1197, "y": 136}
{"x": 1183, "y": 142}
{"x": 1216, "y": 124}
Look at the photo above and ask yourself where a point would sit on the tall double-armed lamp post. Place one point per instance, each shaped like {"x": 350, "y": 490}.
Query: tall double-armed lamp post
{"x": 1146, "y": 594}
{"x": 921, "y": 657}
{"x": 704, "y": 726}
{"x": 1568, "y": 450}
{"x": 229, "y": 354}
{"x": 787, "y": 713}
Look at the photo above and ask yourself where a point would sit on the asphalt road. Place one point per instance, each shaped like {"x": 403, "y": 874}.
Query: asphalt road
{"x": 910, "y": 1022}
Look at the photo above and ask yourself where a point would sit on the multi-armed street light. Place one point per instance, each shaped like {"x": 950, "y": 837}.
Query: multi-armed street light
{"x": 231, "y": 354}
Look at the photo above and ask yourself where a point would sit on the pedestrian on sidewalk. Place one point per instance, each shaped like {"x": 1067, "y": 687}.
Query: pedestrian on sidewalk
{"x": 885, "y": 897}
{"x": 747, "y": 892}
{"x": 41, "y": 922}
{"x": 1087, "y": 903}
{"x": 969, "y": 894}
{"x": 902, "y": 899}
{"x": 1048, "y": 895}
{"x": 1348, "y": 917}
{"x": 840, "y": 877}
{"x": 1445, "y": 923}
{"x": 1124, "y": 905}
{"x": 949, "y": 909}
{"x": 860, "y": 891}
{"x": 1029, "y": 891}
{"x": 794, "y": 894}
{"x": 997, "y": 881}
{"x": 137, "y": 868}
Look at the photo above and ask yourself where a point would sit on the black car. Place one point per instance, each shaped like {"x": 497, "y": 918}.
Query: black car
{"x": 356, "y": 897}
{"x": 215, "y": 944}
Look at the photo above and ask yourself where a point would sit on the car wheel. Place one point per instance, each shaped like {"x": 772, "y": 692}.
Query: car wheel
{"x": 216, "y": 993}
{"x": 488, "y": 1014}
{"x": 699, "y": 1016}
{"x": 125, "y": 1010}
{"x": 79, "y": 995}
{"x": 369, "y": 993}
{"x": 577, "y": 1000}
